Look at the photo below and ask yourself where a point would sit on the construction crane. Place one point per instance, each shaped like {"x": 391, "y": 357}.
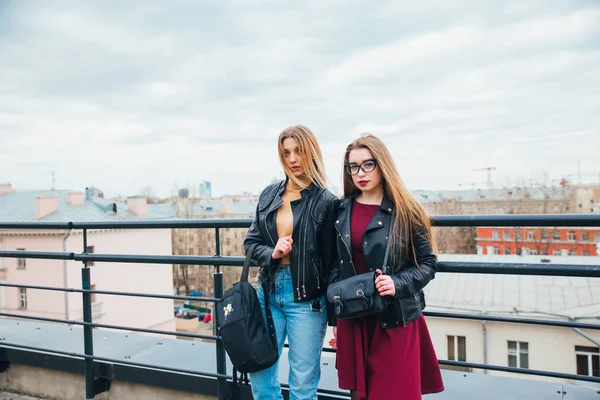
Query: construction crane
{"x": 472, "y": 184}
{"x": 489, "y": 174}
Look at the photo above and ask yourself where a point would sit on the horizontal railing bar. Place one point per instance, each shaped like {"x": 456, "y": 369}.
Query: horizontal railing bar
{"x": 189, "y": 260}
{"x": 46, "y": 255}
{"x": 463, "y": 220}
{"x": 36, "y": 225}
{"x": 164, "y": 224}
{"x": 525, "y": 371}
{"x": 118, "y": 327}
{"x": 473, "y": 267}
{"x": 479, "y": 317}
{"x": 132, "y": 294}
{"x": 115, "y": 361}
{"x": 514, "y": 220}
{"x": 127, "y": 258}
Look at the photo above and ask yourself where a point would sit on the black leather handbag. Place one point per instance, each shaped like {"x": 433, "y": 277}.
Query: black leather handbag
{"x": 357, "y": 296}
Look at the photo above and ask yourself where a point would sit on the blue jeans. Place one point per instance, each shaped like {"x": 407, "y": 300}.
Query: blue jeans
{"x": 305, "y": 330}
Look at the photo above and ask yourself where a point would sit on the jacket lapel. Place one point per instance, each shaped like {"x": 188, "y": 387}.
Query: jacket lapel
{"x": 342, "y": 224}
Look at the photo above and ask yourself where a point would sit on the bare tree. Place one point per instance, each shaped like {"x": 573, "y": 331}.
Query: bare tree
{"x": 454, "y": 240}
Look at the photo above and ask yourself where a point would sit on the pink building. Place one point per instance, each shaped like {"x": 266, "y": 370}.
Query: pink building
{"x": 65, "y": 206}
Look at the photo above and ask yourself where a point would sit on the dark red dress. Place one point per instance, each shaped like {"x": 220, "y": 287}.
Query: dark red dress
{"x": 383, "y": 364}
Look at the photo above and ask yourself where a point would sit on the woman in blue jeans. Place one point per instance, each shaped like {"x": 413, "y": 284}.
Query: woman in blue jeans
{"x": 294, "y": 234}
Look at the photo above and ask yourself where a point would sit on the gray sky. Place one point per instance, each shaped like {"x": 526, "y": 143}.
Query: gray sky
{"x": 126, "y": 94}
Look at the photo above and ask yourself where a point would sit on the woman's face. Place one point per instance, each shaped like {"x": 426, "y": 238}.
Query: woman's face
{"x": 293, "y": 157}
{"x": 364, "y": 170}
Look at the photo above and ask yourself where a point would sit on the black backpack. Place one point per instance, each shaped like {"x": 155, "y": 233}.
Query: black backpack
{"x": 242, "y": 326}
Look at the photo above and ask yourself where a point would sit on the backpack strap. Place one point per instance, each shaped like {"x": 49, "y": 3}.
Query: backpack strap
{"x": 246, "y": 268}
{"x": 270, "y": 323}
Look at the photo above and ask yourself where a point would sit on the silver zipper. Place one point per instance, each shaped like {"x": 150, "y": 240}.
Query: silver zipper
{"x": 402, "y": 310}
{"x": 303, "y": 253}
{"x": 266, "y": 226}
{"x": 269, "y": 233}
{"x": 347, "y": 248}
{"x": 317, "y": 275}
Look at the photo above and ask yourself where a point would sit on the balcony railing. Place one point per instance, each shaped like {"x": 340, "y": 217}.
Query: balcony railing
{"x": 96, "y": 385}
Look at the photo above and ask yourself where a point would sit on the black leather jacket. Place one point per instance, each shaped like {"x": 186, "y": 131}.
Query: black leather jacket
{"x": 409, "y": 279}
{"x": 313, "y": 249}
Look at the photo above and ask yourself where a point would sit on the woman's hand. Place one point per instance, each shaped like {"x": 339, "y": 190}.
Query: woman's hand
{"x": 333, "y": 342}
{"x": 283, "y": 247}
{"x": 385, "y": 284}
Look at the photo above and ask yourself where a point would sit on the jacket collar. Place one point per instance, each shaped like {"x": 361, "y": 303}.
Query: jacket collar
{"x": 303, "y": 192}
{"x": 387, "y": 205}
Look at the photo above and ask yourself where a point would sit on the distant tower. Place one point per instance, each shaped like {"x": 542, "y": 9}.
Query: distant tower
{"x": 53, "y": 180}
{"x": 205, "y": 190}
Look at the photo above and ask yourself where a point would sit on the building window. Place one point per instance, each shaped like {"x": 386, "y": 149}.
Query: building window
{"x": 22, "y": 298}
{"x": 588, "y": 360}
{"x": 507, "y": 234}
{"x": 544, "y": 235}
{"x": 530, "y": 235}
{"x": 495, "y": 234}
{"x": 585, "y": 253}
{"x": 532, "y": 252}
{"x": 90, "y": 250}
{"x": 507, "y": 251}
{"x": 457, "y": 348}
{"x": 556, "y": 235}
{"x": 556, "y": 252}
{"x": 496, "y": 250}
{"x": 517, "y": 234}
{"x": 544, "y": 252}
{"x": 518, "y": 354}
{"x": 572, "y": 252}
{"x": 21, "y": 262}
{"x": 585, "y": 236}
{"x": 571, "y": 235}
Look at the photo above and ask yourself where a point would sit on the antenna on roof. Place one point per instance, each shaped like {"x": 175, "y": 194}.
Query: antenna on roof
{"x": 53, "y": 180}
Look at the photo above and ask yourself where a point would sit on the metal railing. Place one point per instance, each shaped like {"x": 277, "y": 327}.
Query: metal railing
{"x": 95, "y": 385}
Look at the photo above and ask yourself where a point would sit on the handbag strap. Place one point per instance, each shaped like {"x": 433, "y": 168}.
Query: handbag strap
{"x": 386, "y": 255}
{"x": 244, "y": 278}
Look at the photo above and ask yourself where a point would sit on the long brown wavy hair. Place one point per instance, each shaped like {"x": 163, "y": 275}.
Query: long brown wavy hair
{"x": 311, "y": 153}
{"x": 410, "y": 214}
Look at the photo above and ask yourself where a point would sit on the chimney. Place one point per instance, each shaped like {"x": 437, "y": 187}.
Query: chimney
{"x": 75, "y": 198}
{"x": 45, "y": 206}
{"x": 6, "y": 188}
{"x": 137, "y": 205}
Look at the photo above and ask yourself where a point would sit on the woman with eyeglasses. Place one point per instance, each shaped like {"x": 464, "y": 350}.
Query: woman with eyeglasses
{"x": 294, "y": 237}
{"x": 388, "y": 355}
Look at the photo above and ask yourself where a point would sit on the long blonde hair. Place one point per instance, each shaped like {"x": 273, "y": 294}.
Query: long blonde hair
{"x": 410, "y": 214}
{"x": 311, "y": 155}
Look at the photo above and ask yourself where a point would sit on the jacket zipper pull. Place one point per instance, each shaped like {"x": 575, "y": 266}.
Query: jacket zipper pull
{"x": 304, "y": 290}
{"x": 298, "y": 290}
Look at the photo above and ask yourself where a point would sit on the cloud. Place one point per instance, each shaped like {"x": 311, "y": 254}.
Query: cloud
{"x": 122, "y": 95}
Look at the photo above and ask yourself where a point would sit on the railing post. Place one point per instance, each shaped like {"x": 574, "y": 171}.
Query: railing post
{"x": 88, "y": 334}
{"x": 92, "y": 386}
{"x": 221, "y": 356}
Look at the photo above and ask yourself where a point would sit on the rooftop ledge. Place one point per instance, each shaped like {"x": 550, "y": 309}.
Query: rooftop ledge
{"x": 197, "y": 358}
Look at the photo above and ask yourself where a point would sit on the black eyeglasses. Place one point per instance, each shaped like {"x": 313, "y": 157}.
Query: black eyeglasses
{"x": 368, "y": 165}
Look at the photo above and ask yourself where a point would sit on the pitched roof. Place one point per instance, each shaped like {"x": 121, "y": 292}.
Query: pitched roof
{"x": 20, "y": 207}
{"x": 540, "y": 296}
